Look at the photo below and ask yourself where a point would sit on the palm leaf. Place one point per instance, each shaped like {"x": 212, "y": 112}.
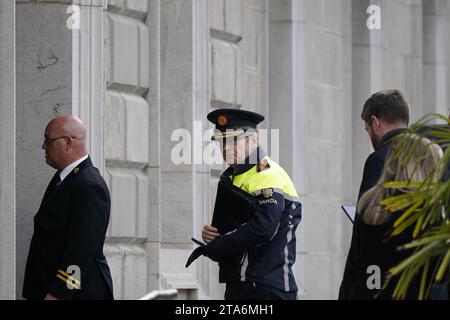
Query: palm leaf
{"x": 422, "y": 203}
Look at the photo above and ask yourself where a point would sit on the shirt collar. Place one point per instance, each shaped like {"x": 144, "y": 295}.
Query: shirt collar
{"x": 388, "y": 136}
{"x": 251, "y": 161}
{"x": 67, "y": 170}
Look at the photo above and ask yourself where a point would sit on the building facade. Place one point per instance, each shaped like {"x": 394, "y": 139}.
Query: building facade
{"x": 138, "y": 71}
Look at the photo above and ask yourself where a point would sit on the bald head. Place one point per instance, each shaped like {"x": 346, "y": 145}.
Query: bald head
{"x": 65, "y": 141}
{"x": 69, "y": 126}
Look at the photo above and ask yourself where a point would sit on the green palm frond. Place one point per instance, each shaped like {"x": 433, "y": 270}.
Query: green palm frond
{"x": 425, "y": 205}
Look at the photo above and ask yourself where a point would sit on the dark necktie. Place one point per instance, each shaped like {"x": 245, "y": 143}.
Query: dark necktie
{"x": 57, "y": 180}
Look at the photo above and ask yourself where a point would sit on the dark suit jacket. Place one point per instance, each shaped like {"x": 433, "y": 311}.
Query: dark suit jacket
{"x": 69, "y": 230}
{"x": 372, "y": 172}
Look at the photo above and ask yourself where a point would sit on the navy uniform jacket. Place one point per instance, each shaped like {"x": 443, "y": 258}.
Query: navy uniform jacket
{"x": 351, "y": 288}
{"x": 262, "y": 250}
{"x": 69, "y": 230}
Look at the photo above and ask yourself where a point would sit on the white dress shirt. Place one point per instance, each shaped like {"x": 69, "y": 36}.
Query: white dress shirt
{"x": 67, "y": 170}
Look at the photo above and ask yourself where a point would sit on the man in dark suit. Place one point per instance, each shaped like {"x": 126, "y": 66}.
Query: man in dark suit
{"x": 385, "y": 114}
{"x": 66, "y": 260}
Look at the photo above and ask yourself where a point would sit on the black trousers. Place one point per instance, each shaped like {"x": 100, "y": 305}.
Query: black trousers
{"x": 256, "y": 291}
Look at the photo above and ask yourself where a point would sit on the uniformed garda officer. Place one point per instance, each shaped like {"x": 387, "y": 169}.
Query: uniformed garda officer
{"x": 255, "y": 259}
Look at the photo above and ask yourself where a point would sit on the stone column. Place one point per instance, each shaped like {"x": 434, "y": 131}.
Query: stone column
{"x": 179, "y": 184}
{"x": 365, "y": 79}
{"x": 435, "y": 61}
{"x": 44, "y": 90}
{"x": 153, "y": 171}
{"x": 60, "y": 59}
{"x": 7, "y": 150}
{"x": 310, "y": 104}
{"x": 287, "y": 91}
{"x": 287, "y": 99}
{"x": 126, "y": 145}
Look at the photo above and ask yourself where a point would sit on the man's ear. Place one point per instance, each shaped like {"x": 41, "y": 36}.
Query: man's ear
{"x": 69, "y": 144}
{"x": 375, "y": 122}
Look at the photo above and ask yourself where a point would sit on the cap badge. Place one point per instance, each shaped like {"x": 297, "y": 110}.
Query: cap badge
{"x": 222, "y": 121}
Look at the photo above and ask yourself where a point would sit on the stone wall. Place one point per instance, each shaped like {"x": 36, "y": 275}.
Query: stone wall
{"x": 7, "y": 150}
{"x": 44, "y": 90}
{"x": 127, "y": 144}
{"x": 137, "y": 71}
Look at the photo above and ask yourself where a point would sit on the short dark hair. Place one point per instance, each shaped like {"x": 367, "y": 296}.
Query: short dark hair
{"x": 389, "y": 106}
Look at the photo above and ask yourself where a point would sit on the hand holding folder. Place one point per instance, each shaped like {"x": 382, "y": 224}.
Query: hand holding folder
{"x": 233, "y": 208}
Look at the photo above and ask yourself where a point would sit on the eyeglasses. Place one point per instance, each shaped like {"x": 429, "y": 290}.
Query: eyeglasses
{"x": 229, "y": 141}
{"x": 233, "y": 140}
{"x": 48, "y": 141}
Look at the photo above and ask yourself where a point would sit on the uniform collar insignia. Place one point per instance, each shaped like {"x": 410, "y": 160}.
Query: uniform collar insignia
{"x": 263, "y": 165}
{"x": 267, "y": 193}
